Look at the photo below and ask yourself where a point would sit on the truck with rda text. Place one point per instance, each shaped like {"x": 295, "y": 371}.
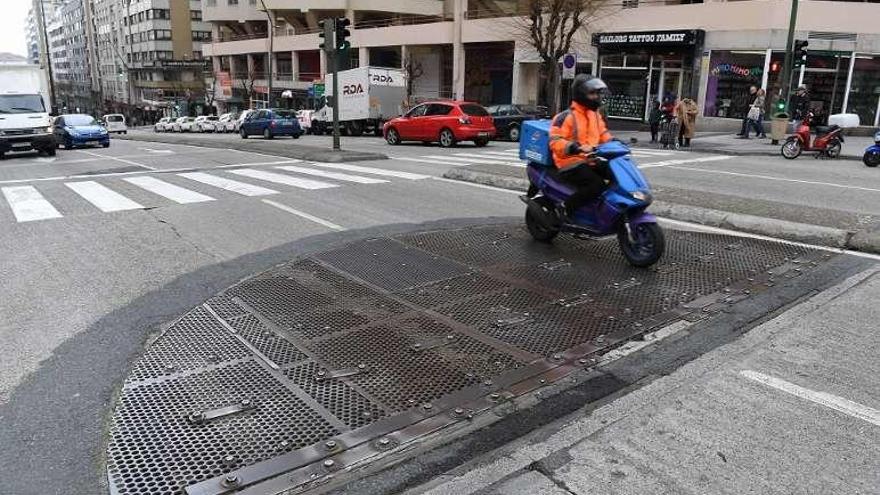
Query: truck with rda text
{"x": 370, "y": 96}
{"x": 25, "y": 124}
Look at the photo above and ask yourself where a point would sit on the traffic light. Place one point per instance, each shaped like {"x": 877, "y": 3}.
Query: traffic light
{"x": 775, "y": 66}
{"x": 326, "y": 35}
{"x": 342, "y": 33}
{"x": 800, "y": 52}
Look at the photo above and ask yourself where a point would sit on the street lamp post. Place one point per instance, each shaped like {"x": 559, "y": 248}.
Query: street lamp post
{"x": 271, "y": 33}
{"x": 48, "y": 56}
{"x": 785, "y": 82}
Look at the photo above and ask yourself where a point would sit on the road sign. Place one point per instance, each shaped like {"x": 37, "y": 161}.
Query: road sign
{"x": 569, "y": 65}
{"x": 319, "y": 90}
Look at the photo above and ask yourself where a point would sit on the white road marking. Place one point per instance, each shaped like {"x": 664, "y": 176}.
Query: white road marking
{"x": 681, "y": 161}
{"x": 480, "y": 186}
{"x": 283, "y": 179}
{"x": 235, "y": 186}
{"x": 123, "y": 160}
{"x": 846, "y": 406}
{"x": 158, "y": 152}
{"x": 170, "y": 191}
{"x": 502, "y": 154}
{"x": 498, "y": 159}
{"x": 425, "y": 160}
{"x": 28, "y": 204}
{"x": 475, "y": 160}
{"x": 782, "y": 179}
{"x": 333, "y": 175}
{"x": 370, "y": 170}
{"x": 652, "y": 152}
{"x": 320, "y": 221}
{"x": 104, "y": 198}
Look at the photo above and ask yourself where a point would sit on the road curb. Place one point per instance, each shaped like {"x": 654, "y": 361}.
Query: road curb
{"x": 297, "y": 151}
{"x": 866, "y": 241}
{"x": 733, "y": 152}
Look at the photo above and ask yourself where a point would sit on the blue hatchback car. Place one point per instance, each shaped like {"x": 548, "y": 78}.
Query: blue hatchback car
{"x": 79, "y": 130}
{"x": 270, "y": 123}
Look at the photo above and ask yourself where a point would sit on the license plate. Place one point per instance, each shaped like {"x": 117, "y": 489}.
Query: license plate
{"x": 483, "y": 134}
{"x": 21, "y": 145}
{"x": 93, "y": 141}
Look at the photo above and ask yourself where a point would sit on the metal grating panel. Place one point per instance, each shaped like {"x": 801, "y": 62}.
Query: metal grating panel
{"x": 336, "y": 396}
{"x": 273, "y": 346}
{"x": 156, "y": 450}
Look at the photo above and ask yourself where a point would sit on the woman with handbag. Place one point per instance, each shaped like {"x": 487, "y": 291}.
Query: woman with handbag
{"x": 755, "y": 116}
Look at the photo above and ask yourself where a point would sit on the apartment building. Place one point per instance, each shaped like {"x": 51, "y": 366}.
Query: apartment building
{"x": 70, "y": 38}
{"x": 477, "y": 49}
{"x": 150, "y": 54}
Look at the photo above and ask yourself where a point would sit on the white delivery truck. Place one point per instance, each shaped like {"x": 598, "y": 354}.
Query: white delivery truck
{"x": 24, "y": 109}
{"x": 370, "y": 96}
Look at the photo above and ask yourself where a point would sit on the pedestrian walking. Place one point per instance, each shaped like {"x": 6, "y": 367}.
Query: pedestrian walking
{"x": 669, "y": 123}
{"x": 756, "y": 114}
{"x": 654, "y": 120}
{"x": 686, "y": 112}
{"x": 744, "y": 129}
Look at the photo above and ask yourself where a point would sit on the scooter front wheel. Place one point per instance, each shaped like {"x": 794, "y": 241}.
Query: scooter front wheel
{"x": 642, "y": 244}
{"x": 871, "y": 158}
{"x": 792, "y": 149}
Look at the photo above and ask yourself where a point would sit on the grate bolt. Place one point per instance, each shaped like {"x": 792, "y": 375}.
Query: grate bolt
{"x": 459, "y": 411}
{"x": 427, "y": 406}
{"x": 329, "y": 463}
{"x": 495, "y": 397}
{"x": 384, "y": 442}
{"x": 230, "y": 480}
{"x": 245, "y": 402}
{"x": 330, "y": 444}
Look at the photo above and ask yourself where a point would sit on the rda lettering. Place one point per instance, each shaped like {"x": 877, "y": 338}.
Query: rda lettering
{"x": 382, "y": 79}
{"x": 352, "y": 89}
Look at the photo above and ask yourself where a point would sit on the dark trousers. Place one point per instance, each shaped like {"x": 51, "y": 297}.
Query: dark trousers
{"x": 683, "y": 141}
{"x": 588, "y": 181}
{"x": 655, "y": 128}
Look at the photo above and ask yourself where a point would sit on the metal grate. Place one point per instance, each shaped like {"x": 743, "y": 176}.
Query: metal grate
{"x": 273, "y": 346}
{"x": 336, "y": 396}
{"x": 196, "y": 341}
{"x": 154, "y": 449}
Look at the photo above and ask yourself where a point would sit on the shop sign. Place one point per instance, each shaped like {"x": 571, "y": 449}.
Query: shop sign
{"x": 725, "y": 69}
{"x": 224, "y": 83}
{"x": 569, "y": 65}
{"x": 647, "y": 38}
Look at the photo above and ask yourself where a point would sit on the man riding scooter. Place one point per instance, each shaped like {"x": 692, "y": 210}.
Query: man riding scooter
{"x": 573, "y": 136}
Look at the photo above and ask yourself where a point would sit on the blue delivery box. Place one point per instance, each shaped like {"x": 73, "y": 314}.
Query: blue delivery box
{"x": 534, "y": 142}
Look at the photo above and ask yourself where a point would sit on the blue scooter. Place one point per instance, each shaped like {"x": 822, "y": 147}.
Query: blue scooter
{"x": 872, "y": 154}
{"x": 619, "y": 210}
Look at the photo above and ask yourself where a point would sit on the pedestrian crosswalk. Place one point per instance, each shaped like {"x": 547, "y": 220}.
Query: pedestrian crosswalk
{"x": 43, "y": 200}
{"x": 510, "y": 157}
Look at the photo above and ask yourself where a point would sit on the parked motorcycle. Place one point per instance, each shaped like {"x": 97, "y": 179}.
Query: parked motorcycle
{"x": 872, "y": 154}
{"x": 827, "y": 144}
{"x": 619, "y": 210}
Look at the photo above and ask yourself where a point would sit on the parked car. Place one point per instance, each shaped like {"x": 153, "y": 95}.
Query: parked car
{"x": 72, "y": 130}
{"x": 509, "y": 118}
{"x": 183, "y": 124}
{"x": 271, "y": 123}
{"x": 241, "y": 117}
{"x": 205, "y": 123}
{"x": 163, "y": 125}
{"x": 115, "y": 122}
{"x": 446, "y": 122}
{"x": 226, "y": 122}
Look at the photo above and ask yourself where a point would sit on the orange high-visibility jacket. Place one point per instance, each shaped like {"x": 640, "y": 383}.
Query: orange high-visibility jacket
{"x": 575, "y": 127}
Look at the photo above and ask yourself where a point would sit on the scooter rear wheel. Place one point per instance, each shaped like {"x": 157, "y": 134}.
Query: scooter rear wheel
{"x": 538, "y": 228}
{"x": 642, "y": 245}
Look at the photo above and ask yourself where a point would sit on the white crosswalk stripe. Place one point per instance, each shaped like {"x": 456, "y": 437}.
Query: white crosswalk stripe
{"x": 28, "y": 204}
{"x": 499, "y": 159}
{"x": 170, "y": 191}
{"x": 104, "y": 198}
{"x": 235, "y": 186}
{"x": 287, "y": 180}
{"x": 370, "y": 170}
{"x": 333, "y": 175}
{"x": 475, "y": 160}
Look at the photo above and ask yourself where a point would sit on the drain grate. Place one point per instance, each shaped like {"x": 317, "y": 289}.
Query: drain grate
{"x": 394, "y": 326}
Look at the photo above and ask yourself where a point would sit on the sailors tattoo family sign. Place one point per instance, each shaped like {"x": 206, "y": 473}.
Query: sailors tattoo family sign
{"x": 646, "y": 39}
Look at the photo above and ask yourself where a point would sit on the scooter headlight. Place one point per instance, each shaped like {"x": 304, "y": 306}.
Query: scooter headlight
{"x": 641, "y": 196}
{"x": 877, "y": 137}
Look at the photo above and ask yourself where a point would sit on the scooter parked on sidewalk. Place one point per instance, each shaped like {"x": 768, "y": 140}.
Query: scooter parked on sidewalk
{"x": 827, "y": 144}
{"x": 619, "y": 210}
{"x": 872, "y": 154}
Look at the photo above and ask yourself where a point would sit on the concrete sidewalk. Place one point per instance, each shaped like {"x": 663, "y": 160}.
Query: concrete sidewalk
{"x": 792, "y": 407}
{"x": 728, "y": 143}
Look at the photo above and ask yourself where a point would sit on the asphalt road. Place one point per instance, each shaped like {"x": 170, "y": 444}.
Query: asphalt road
{"x": 89, "y": 274}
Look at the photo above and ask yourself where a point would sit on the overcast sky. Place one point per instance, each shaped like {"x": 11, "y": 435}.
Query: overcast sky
{"x": 12, "y": 23}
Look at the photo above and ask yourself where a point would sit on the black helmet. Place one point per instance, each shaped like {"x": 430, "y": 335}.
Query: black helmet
{"x": 583, "y": 85}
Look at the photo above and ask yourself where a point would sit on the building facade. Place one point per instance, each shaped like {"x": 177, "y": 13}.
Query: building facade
{"x": 69, "y": 31}
{"x": 150, "y": 56}
{"x": 711, "y": 51}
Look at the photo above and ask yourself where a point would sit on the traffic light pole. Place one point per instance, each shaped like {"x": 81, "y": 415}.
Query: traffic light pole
{"x": 785, "y": 81}
{"x": 334, "y": 60}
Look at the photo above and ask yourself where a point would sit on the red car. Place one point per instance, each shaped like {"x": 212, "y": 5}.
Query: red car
{"x": 446, "y": 122}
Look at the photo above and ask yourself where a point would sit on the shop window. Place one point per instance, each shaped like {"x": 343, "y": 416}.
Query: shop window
{"x": 730, "y": 76}
{"x": 864, "y": 94}
{"x": 628, "y": 88}
{"x": 825, "y": 77}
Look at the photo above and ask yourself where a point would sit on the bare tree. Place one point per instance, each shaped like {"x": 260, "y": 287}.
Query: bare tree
{"x": 247, "y": 86}
{"x": 413, "y": 70}
{"x": 549, "y": 27}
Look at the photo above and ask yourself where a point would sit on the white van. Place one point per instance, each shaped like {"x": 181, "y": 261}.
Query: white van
{"x": 115, "y": 122}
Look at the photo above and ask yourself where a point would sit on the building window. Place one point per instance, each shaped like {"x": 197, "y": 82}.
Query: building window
{"x": 201, "y": 35}
{"x": 231, "y": 2}
{"x": 195, "y": 15}
{"x": 730, "y": 76}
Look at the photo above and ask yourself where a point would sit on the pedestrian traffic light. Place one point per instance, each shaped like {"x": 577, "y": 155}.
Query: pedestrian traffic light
{"x": 342, "y": 33}
{"x": 326, "y": 35}
{"x": 800, "y": 52}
